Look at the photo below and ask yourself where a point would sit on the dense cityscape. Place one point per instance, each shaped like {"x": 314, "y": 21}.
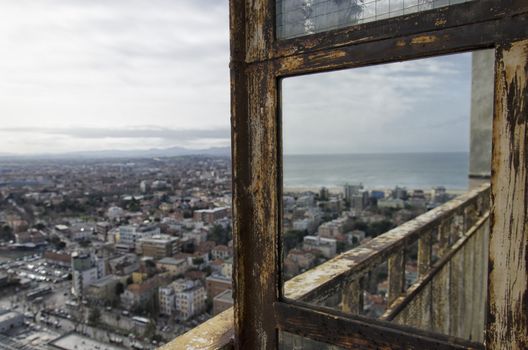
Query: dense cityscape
{"x": 130, "y": 253}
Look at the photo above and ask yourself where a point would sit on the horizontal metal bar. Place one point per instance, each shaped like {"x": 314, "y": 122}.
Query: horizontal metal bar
{"x": 427, "y": 44}
{"x": 421, "y": 283}
{"x": 353, "y": 333}
{"x": 432, "y": 20}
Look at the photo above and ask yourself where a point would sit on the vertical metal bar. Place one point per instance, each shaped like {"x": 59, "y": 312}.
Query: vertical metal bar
{"x": 444, "y": 231}
{"x": 508, "y": 263}
{"x": 456, "y": 294}
{"x": 424, "y": 253}
{"x": 352, "y": 297}
{"x": 255, "y": 175}
{"x": 441, "y": 301}
{"x": 469, "y": 287}
{"x": 396, "y": 275}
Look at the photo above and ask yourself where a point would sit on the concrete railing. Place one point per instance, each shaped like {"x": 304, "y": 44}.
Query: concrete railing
{"x": 450, "y": 242}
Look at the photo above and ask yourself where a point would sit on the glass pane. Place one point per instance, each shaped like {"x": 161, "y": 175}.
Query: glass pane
{"x": 376, "y": 191}
{"x": 302, "y": 17}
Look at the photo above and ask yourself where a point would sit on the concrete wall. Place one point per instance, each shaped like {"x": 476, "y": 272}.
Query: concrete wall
{"x": 482, "y": 87}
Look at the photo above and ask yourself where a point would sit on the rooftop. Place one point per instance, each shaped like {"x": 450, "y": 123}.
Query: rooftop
{"x": 74, "y": 341}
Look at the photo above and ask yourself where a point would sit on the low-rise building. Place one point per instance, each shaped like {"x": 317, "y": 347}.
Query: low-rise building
{"x": 103, "y": 290}
{"x": 124, "y": 265}
{"x": 227, "y": 268}
{"x": 167, "y": 300}
{"x": 393, "y": 203}
{"x": 175, "y": 266}
{"x": 140, "y": 294}
{"x": 10, "y": 320}
{"x": 102, "y": 228}
{"x": 209, "y": 216}
{"x": 221, "y": 252}
{"x": 222, "y": 301}
{"x": 31, "y": 237}
{"x": 190, "y": 300}
{"x": 86, "y": 269}
{"x": 182, "y": 299}
{"x": 59, "y": 259}
{"x": 129, "y": 235}
{"x": 159, "y": 246}
{"x": 327, "y": 246}
{"x": 216, "y": 284}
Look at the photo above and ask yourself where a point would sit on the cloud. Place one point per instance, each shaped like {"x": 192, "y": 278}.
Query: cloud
{"x": 420, "y": 105}
{"x": 127, "y": 133}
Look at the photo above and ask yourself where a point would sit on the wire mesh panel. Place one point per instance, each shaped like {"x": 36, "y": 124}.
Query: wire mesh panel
{"x": 302, "y": 17}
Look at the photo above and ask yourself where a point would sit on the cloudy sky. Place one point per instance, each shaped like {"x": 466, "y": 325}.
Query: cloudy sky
{"x": 119, "y": 74}
{"x": 414, "y": 106}
{"x": 81, "y": 75}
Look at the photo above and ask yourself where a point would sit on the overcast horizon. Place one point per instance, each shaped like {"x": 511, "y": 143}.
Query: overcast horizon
{"x": 138, "y": 75}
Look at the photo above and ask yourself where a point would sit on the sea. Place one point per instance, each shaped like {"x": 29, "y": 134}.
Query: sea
{"x": 383, "y": 171}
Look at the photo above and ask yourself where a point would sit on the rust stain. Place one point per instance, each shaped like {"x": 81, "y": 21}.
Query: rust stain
{"x": 440, "y": 22}
{"x": 507, "y": 318}
{"x": 291, "y": 64}
{"x": 327, "y": 55}
{"x": 424, "y": 39}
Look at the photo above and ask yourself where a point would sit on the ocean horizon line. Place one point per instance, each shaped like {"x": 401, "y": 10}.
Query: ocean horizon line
{"x": 374, "y": 153}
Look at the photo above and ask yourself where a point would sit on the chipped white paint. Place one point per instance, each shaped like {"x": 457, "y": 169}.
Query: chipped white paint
{"x": 214, "y": 334}
{"x": 508, "y": 264}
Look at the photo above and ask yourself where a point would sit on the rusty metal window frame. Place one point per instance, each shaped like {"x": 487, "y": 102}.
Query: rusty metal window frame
{"x": 258, "y": 62}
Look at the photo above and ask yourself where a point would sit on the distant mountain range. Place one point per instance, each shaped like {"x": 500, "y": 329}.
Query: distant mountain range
{"x": 154, "y": 152}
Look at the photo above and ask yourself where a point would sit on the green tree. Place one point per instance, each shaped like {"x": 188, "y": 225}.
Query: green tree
{"x": 292, "y": 238}
{"x": 134, "y": 205}
{"x": 150, "y": 330}
{"x": 341, "y": 247}
{"x": 119, "y": 289}
{"x": 377, "y": 228}
{"x": 39, "y": 226}
{"x": 198, "y": 261}
{"x": 6, "y": 234}
{"x": 94, "y": 316}
{"x": 219, "y": 234}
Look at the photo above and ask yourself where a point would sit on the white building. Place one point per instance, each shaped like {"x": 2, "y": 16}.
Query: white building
{"x": 115, "y": 213}
{"x": 167, "y": 300}
{"x": 327, "y": 246}
{"x": 182, "y": 299}
{"x": 129, "y": 235}
{"x": 86, "y": 269}
{"x": 175, "y": 266}
{"x": 190, "y": 301}
{"x": 333, "y": 228}
{"x": 227, "y": 268}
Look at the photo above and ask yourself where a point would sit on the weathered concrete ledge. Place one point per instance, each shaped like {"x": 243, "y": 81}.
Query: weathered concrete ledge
{"x": 214, "y": 334}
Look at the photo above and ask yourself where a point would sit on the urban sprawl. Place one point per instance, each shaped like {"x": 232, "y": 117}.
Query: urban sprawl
{"x": 130, "y": 253}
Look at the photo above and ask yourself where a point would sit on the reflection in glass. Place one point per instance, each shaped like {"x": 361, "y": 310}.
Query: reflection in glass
{"x": 302, "y": 17}
{"x": 375, "y": 194}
